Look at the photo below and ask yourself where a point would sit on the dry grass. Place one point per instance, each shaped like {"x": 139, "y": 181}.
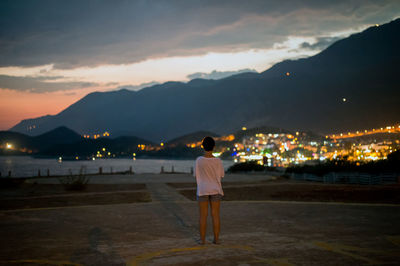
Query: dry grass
{"x": 310, "y": 192}
{"x": 80, "y": 200}
{"x": 54, "y": 195}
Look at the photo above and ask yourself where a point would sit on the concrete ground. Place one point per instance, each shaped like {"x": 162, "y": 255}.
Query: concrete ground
{"x": 164, "y": 231}
{"x": 155, "y": 178}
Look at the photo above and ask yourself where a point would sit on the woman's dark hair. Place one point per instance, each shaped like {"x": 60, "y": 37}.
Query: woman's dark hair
{"x": 208, "y": 143}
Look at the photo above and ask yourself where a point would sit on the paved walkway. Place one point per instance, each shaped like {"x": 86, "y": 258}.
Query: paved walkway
{"x": 163, "y": 232}
{"x": 170, "y": 208}
{"x": 161, "y": 192}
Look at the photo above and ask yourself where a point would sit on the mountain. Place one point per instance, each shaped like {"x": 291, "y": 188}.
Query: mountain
{"x": 121, "y": 146}
{"x": 190, "y": 138}
{"x": 64, "y": 141}
{"x": 60, "y": 135}
{"x": 351, "y": 85}
{"x": 17, "y": 141}
{"x": 57, "y": 136}
{"x": 249, "y": 132}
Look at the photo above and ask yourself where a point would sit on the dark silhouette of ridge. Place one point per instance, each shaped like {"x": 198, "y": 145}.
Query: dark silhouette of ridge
{"x": 363, "y": 69}
{"x": 60, "y": 135}
{"x": 191, "y": 138}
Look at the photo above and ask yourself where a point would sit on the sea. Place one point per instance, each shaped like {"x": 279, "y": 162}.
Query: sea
{"x": 26, "y": 166}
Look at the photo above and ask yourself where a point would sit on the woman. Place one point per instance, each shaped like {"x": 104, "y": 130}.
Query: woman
{"x": 208, "y": 173}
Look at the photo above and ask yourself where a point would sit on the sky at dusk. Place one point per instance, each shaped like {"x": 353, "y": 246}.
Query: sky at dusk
{"x": 52, "y": 53}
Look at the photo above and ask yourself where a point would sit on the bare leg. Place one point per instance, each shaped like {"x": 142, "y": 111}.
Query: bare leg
{"x": 216, "y": 221}
{"x": 203, "y": 212}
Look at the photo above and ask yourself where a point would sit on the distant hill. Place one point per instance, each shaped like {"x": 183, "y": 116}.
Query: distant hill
{"x": 121, "y": 146}
{"x": 64, "y": 141}
{"x": 190, "y": 138}
{"x": 17, "y": 140}
{"x": 239, "y": 135}
{"x": 60, "y": 135}
{"x": 305, "y": 94}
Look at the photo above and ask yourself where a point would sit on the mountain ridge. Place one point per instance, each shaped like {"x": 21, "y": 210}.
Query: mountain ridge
{"x": 363, "y": 69}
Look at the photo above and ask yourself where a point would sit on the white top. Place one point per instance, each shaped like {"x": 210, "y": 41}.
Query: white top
{"x": 208, "y": 173}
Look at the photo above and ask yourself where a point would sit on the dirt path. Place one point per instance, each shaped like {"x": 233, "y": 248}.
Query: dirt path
{"x": 170, "y": 208}
{"x": 164, "y": 193}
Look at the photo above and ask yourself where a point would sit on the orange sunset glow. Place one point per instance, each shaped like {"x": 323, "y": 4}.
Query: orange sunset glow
{"x": 16, "y": 106}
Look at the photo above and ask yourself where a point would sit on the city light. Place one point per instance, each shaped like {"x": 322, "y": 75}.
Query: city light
{"x": 387, "y": 129}
{"x": 96, "y": 135}
{"x": 274, "y": 149}
{"x": 9, "y": 146}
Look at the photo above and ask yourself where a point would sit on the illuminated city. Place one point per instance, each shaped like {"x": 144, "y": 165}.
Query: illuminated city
{"x": 284, "y": 149}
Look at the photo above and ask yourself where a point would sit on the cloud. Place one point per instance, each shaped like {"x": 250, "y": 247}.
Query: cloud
{"x": 72, "y": 34}
{"x": 218, "y": 74}
{"x": 137, "y": 87}
{"x": 40, "y": 84}
{"x": 320, "y": 44}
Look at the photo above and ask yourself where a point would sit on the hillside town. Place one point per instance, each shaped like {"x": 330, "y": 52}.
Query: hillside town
{"x": 284, "y": 149}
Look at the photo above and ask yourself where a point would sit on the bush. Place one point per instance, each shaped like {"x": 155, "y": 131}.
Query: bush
{"x": 10, "y": 182}
{"x": 77, "y": 182}
{"x": 246, "y": 167}
{"x": 394, "y": 156}
{"x": 372, "y": 167}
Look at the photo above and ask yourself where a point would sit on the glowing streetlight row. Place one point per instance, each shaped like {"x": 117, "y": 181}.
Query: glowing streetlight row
{"x": 388, "y": 129}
